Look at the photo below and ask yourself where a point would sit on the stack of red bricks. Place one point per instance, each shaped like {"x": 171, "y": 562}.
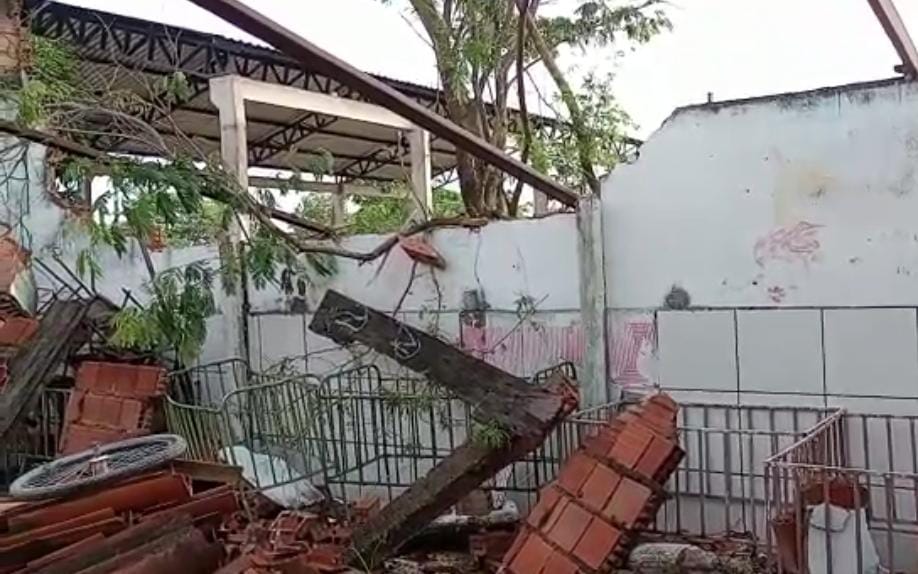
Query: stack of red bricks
{"x": 606, "y": 493}
{"x": 110, "y": 402}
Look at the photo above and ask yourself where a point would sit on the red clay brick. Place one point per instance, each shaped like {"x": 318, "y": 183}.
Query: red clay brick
{"x": 655, "y": 457}
{"x": 665, "y": 401}
{"x": 631, "y": 444}
{"x": 547, "y": 501}
{"x": 600, "y": 445}
{"x": 575, "y": 472}
{"x": 79, "y": 437}
{"x": 570, "y": 527}
{"x": 124, "y": 380}
{"x": 515, "y": 548}
{"x": 555, "y": 515}
{"x": 17, "y": 330}
{"x": 597, "y": 543}
{"x": 111, "y": 412}
{"x": 532, "y": 557}
{"x": 597, "y": 490}
{"x": 558, "y": 563}
{"x": 628, "y": 502}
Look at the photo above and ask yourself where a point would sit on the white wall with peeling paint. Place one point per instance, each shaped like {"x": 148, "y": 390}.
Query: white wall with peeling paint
{"x": 792, "y": 223}
{"x": 805, "y": 200}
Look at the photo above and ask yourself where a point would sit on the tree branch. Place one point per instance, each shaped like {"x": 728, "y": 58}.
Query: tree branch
{"x": 248, "y": 204}
{"x": 578, "y": 123}
{"x": 524, "y": 7}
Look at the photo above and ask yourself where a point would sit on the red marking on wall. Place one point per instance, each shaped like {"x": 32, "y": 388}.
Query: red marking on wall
{"x": 791, "y": 244}
{"x": 524, "y": 349}
{"x": 632, "y": 342}
{"x": 777, "y": 294}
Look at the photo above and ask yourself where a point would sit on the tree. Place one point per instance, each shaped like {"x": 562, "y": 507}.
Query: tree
{"x": 379, "y": 214}
{"x": 485, "y": 50}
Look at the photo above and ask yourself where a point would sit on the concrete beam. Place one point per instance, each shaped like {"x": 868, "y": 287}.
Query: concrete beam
{"x": 226, "y": 95}
{"x": 297, "y": 99}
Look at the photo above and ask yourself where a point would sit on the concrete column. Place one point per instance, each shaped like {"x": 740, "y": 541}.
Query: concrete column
{"x": 422, "y": 193}
{"x": 594, "y": 384}
{"x": 339, "y": 205}
{"x": 539, "y": 203}
{"x": 226, "y": 95}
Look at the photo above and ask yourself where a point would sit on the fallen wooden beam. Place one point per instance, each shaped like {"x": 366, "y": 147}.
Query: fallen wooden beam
{"x": 527, "y": 412}
{"x": 521, "y": 408}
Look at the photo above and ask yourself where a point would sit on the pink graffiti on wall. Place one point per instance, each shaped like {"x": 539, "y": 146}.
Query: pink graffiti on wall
{"x": 791, "y": 243}
{"x": 632, "y": 343}
{"x": 524, "y": 349}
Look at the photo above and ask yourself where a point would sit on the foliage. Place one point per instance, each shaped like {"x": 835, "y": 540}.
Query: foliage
{"x": 53, "y": 79}
{"x": 186, "y": 198}
{"x": 490, "y": 435}
{"x": 556, "y": 152}
{"x": 175, "y": 320}
{"x": 379, "y": 214}
{"x": 479, "y": 57}
{"x": 153, "y": 196}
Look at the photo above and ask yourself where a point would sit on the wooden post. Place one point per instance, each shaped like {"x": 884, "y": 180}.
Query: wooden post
{"x": 527, "y": 413}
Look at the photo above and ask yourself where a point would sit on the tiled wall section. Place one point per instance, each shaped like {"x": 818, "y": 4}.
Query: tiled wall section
{"x": 862, "y": 358}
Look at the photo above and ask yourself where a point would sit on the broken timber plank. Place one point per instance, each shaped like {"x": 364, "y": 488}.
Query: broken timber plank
{"x": 63, "y": 329}
{"x": 444, "y": 486}
{"x": 526, "y": 411}
{"x": 518, "y": 406}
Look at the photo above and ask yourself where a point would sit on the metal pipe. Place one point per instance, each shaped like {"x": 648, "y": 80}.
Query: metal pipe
{"x": 897, "y": 33}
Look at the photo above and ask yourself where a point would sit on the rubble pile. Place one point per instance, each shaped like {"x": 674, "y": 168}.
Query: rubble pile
{"x": 154, "y": 518}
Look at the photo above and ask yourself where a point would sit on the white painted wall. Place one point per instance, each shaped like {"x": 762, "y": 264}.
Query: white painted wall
{"x": 792, "y": 222}
{"x": 506, "y": 261}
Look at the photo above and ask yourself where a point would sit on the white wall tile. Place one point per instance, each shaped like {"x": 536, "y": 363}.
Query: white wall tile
{"x": 780, "y": 351}
{"x": 697, "y": 350}
{"x": 871, "y": 352}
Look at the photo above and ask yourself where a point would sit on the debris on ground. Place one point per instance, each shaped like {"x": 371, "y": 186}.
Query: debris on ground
{"x": 606, "y": 494}
{"x": 523, "y": 414}
{"x": 63, "y": 327}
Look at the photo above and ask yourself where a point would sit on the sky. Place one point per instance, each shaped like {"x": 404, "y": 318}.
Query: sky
{"x": 730, "y": 48}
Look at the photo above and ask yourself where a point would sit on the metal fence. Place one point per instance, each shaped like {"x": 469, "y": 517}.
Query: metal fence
{"x": 35, "y": 438}
{"x": 844, "y": 498}
{"x": 366, "y": 434}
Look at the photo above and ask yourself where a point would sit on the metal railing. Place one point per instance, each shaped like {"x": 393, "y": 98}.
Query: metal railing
{"x": 844, "y": 498}
{"x": 375, "y": 435}
{"x": 35, "y": 438}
